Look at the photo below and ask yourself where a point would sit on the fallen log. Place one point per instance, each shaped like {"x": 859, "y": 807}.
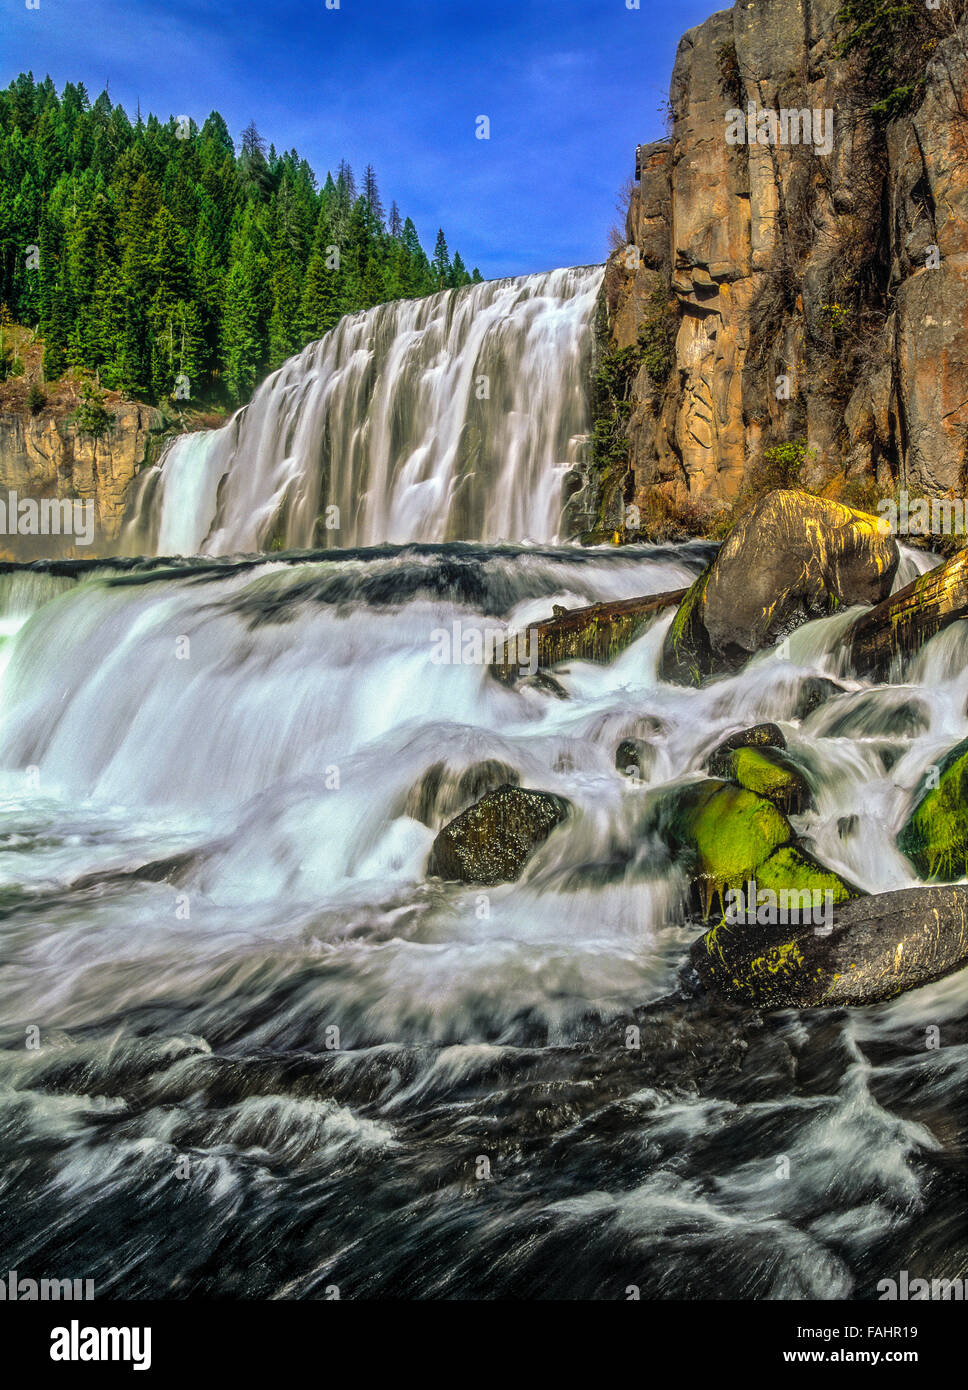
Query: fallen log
{"x": 597, "y": 633}
{"x": 882, "y": 638}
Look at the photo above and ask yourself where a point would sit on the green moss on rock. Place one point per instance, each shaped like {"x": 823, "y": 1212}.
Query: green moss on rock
{"x": 686, "y": 654}
{"x": 728, "y": 830}
{"x": 730, "y": 836}
{"x": 935, "y": 837}
{"x": 770, "y": 774}
{"x": 791, "y": 870}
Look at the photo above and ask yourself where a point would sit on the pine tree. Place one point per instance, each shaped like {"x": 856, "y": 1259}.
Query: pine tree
{"x": 372, "y": 194}
{"x": 240, "y": 335}
{"x": 441, "y": 262}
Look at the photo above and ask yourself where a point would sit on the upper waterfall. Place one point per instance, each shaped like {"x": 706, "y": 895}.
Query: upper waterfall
{"x": 454, "y": 417}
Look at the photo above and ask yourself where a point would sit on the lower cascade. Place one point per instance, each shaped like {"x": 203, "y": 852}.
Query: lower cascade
{"x": 455, "y": 417}
{"x": 274, "y": 973}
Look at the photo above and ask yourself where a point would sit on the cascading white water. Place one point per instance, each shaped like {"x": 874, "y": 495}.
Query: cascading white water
{"x": 455, "y": 417}
{"x": 219, "y": 786}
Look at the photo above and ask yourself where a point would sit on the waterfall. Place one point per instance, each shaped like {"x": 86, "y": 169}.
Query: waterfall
{"x": 454, "y": 417}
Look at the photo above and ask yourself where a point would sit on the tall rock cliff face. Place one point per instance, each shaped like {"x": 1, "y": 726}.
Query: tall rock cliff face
{"x": 813, "y": 298}
{"x": 47, "y": 456}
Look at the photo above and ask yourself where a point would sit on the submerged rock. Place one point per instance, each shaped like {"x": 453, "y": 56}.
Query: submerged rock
{"x": 444, "y": 791}
{"x": 492, "y": 841}
{"x": 935, "y": 836}
{"x": 730, "y": 835}
{"x": 814, "y": 691}
{"x": 634, "y": 757}
{"x": 876, "y": 714}
{"x": 875, "y": 948}
{"x": 544, "y": 684}
{"x": 793, "y": 558}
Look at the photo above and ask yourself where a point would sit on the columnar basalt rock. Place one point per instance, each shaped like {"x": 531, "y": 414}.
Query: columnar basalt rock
{"x": 819, "y": 297}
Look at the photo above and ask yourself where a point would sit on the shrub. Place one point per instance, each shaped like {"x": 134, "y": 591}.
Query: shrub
{"x": 893, "y": 41}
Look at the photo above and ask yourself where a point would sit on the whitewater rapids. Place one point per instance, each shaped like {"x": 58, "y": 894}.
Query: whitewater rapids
{"x": 216, "y": 916}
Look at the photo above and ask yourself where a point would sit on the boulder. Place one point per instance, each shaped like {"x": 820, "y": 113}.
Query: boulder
{"x": 793, "y": 558}
{"x": 729, "y": 836}
{"x": 873, "y": 949}
{"x": 769, "y": 773}
{"x": 753, "y": 758}
{"x": 935, "y": 835}
{"x": 758, "y": 736}
{"x": 492, "y": 841}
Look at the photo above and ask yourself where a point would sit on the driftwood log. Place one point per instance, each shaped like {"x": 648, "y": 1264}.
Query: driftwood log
{"x": 597, "y": 633}
{"x": 882, "y": 638}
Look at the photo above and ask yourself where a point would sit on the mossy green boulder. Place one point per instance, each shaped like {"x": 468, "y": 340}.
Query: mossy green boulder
{"x": 769, "y": 773}
{"x": 757, "y": 736}
{"x": 730, "y": 836}
{"x": 935, "y": 837}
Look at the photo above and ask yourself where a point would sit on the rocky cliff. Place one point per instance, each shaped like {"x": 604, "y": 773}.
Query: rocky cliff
{"x": 776, "y": 294}
{"x": 48, "y": 456}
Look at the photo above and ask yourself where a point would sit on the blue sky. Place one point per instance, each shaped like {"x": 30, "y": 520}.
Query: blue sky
{"x": 570, "y": 87}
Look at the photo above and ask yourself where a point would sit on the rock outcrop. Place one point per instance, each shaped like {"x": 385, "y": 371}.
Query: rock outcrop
{"x": 792, "y": 558}
{"x": 45, "y": 456}
{"x": 807, "y": 296}
{"x": 874, "y": 949}
{"x": 493, "y": 840}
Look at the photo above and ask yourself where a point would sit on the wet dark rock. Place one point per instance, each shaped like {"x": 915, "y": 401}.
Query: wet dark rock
{"x": 876, "y": 948}
{"x": 847, "y": 826}
{"x": 634, "y": 757}
{"x": 545, "y": 684}
{"x": 492, "y": 841}
{"x": 814, "y": 691}
{"x": 889, "y": 756}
